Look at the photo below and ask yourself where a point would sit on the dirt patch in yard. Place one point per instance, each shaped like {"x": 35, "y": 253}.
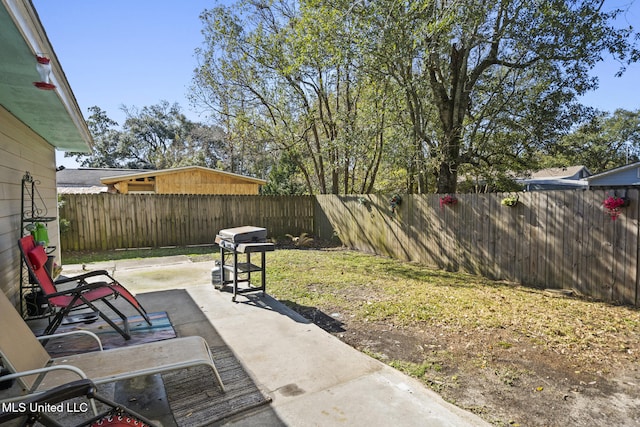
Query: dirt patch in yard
{"x": 507, "y": 385}
{"x": 581, "y": 370}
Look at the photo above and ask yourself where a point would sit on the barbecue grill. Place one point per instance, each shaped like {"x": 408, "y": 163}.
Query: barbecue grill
{"x": 245, "y": 240}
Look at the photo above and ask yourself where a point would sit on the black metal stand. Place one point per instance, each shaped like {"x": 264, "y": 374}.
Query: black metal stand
{"x": 33, "y": 211}
{"x": 239, "y": 273}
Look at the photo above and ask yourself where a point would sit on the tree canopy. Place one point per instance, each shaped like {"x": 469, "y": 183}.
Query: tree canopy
{"x": 155, "y": 137}
{"x": 380, "y": 95}
{"x": 362, "y": 96}
{"x": 600, "y": 142}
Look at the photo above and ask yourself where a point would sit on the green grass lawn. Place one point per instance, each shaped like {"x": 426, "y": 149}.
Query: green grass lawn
{"x": 374, "y": 288}
{"x": 89, "y": 257}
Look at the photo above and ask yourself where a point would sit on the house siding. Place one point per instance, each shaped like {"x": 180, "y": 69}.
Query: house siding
{"x": 624, "y": 177}
{"x": 22, "y": 150}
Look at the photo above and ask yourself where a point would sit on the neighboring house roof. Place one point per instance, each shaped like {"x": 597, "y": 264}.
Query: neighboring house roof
{"x": 86, "y": 177}
{"x": 52, "y": 114}
{"x": 558, "y": 178}
{"x": 98, "y": 180}
{"x": 554, "y": 184}
{"x": 82, "y": 190}
{"x": 627, "y": 175}
{"x": 569, "y": 172}
{"x": 146, "y": 174}
{"x": 87, "y": 180}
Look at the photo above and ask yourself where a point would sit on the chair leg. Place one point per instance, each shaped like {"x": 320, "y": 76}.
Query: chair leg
{"x": 59, "y": 317}
{"x": 124, "y": 293}
{"x": 125, "y": 323}
{"x": 54, "y": 323}
{"x": 124, "y": 331}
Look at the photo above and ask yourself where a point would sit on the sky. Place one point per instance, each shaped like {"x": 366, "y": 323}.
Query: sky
{"x": 137, "y": 53}
{"x": 124, "y": 52}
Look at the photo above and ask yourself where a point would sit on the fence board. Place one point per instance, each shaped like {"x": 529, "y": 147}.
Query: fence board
{"x": 587, "y": 252}
{"x": 633, "y": 241}
{"x": 507, "y": 230}
{"x": 601, "y": 276}
{"x": 578, "y": 243}
{"x": 516, "y": 235}
{"x": 624, "y": 253}
{"x": 475, "y": 237}
{"x": 553, "y": 256}
{"x": 493, "y": 237}
{"x": 484, "y": 243}
{"x": 539, "y": 240}
{"x": 567, "y": 224}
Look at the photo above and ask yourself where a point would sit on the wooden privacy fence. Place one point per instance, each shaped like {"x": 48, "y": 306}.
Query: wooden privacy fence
{"x": 559, "y": 239}
{"x": 111, "y": 221}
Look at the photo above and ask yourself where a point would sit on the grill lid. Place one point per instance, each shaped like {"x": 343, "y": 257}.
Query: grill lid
{"x": 246, "y": 234}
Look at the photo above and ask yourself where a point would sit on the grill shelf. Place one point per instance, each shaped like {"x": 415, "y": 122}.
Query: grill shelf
{"x": 243, "y": 267}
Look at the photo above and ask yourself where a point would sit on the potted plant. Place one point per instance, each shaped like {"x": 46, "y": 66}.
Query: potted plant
{"x": 448, "y": 200}
{"x": 614, "y": 204}
{"x": 510, "y": 201}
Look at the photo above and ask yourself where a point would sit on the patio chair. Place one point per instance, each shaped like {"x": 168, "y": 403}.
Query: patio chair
{"x": 28, "y": 362}
{"x": 83, "y": 295}
{"x": 33, "y": 408}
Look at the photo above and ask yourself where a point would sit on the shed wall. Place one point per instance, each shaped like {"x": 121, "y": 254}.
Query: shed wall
{"x": 202, "y": 182}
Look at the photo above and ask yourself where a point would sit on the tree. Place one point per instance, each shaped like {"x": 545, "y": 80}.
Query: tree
{"x": 284, "y": 179}
{"x": 105, "y": 152}
{"x": 285, "y": 75}
{"x": 602, "y": 142}
{"x": 463, "y": 48}
{"x": 506, "y": 136}
{"x": 436, "y": 88}
{"x": 160, "y": 137}
{"x": 156, "y": 137}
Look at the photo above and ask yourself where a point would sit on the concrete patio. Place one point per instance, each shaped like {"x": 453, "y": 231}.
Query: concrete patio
{"x": 312, "y": 377}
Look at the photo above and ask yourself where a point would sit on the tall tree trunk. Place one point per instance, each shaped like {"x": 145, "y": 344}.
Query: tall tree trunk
{"x": 451, "y": 97}
{"x": 448, "y": 170}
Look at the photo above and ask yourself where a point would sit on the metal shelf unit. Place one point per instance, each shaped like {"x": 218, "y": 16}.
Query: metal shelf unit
{"x": 33, "y": 211}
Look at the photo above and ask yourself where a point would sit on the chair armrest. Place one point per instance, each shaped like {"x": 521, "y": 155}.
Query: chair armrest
{"x": 79, "y": 289}
{"x": 38, "y": 371}
{"x": 76, "y": 388}
{"x": 64, "y": 334}
{"x": 73, "y": 388}
{"x": 82, "y": 276}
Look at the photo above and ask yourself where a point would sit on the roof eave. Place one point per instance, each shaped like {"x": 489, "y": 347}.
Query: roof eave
{"x": 114, "y": 179}
{"x": 27, "y": 21}
{"x": 613, "y": 171}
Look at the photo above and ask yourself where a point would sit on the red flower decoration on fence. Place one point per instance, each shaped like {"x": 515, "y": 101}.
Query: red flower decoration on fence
{"x": 448, "y": 200}
{"x": 613, "y": 204}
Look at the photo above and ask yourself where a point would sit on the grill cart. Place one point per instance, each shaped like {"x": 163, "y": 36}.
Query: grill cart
{"x": 235, "y": 243}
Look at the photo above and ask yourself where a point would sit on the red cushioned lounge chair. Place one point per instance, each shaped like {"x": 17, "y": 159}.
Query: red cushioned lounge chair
{"x": 84, "y": 295}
